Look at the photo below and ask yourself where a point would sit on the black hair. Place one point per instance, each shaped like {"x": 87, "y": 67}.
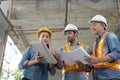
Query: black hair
{"x": 102, "y": 23}
{"x": 71, "y": 30}
{"x": 48, "y": 46}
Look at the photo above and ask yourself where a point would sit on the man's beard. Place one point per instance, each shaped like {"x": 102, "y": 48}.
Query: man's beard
{"x": 71, "y": 40}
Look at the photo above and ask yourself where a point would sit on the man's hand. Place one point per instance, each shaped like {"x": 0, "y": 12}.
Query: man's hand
{"x": 95, "y": 60}
{"x": 82, "y": 66}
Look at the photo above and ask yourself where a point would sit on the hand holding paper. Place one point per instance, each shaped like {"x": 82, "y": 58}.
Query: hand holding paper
{"x": 58, "y": 58}
{"x": 40, "y": 47}
{"x": 38, "y": 57}
{"x": 74, "y": 55}
{"x": 82, "y": 66}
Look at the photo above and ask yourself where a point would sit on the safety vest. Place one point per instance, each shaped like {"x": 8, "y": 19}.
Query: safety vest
{"x": 99, "y": 52}
{"x": 68, "y": 67}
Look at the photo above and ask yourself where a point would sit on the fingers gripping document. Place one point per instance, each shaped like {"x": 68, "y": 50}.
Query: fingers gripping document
{"x": 40, "y": 47}
{"x": 74, "y": 55}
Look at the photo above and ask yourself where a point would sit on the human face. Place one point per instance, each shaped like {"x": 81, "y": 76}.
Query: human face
{"x": 70, "y": 35}
{"x": 45, "y": 37}
{"x": 96, "y": 28}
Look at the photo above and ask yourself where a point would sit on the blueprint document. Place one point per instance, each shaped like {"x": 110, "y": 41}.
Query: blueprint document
{"x": 40, "y": 47}
{"x": 74, "y": 55}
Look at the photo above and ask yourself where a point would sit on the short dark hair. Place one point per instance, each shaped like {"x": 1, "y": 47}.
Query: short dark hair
{"x": 71, "y": 30}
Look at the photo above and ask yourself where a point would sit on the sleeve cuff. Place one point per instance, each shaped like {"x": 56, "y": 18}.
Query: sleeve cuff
{"x": 25, "y": 63}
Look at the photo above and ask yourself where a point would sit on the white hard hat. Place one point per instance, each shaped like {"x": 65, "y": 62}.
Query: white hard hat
{"x": 71, "y": 27}
{"x": 99, "y": 18}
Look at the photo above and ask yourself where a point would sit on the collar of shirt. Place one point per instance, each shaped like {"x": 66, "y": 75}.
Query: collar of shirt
{"x": 99, "y": 36}
{"x": 78, "y": 43}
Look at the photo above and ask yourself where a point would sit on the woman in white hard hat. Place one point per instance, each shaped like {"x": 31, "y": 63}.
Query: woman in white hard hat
{"x": 31, "y": 60}
{"x": 75, "y": 71}
{"x": 106, "y": 51}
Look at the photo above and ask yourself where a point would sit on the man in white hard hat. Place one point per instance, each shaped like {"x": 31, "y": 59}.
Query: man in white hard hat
{"x": 74, "y": 72}
{"x": 106, "y": 51}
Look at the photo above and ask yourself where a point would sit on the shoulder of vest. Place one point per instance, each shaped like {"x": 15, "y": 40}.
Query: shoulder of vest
{"x": 82, "y": 44}
{"x": 106, "y": 33}
{"x": 66, "y": 45}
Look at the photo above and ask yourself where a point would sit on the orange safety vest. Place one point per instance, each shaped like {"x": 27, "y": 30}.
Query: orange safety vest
{"x": 100, "y": 53}
{"x": 67, "y": 67}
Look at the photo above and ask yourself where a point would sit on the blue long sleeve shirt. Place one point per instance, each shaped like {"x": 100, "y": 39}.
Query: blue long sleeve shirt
{"x": 112, "y": 49}
{"x": 38, "y": 71}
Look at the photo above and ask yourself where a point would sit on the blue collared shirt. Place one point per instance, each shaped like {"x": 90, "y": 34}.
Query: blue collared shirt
{"x": 112, "y": 49}
{"x": 38, "y": 71}
{"x": 75, "y": 75}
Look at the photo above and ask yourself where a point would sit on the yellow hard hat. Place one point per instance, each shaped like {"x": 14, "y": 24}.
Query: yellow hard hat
{"x": 44, "y": 29}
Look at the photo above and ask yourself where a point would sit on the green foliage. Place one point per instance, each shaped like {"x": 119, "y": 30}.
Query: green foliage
{"x": 16, "y": 73}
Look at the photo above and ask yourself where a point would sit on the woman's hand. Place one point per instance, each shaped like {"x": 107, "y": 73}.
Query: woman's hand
{"x": 58, "y": 58}
{"x": 38, "y": 57}
{"x": 56, "y": 55}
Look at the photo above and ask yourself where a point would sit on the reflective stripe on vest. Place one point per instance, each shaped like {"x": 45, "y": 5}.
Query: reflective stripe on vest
{"x": 99, "y": 52}
{"x": 68, "y": 67}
